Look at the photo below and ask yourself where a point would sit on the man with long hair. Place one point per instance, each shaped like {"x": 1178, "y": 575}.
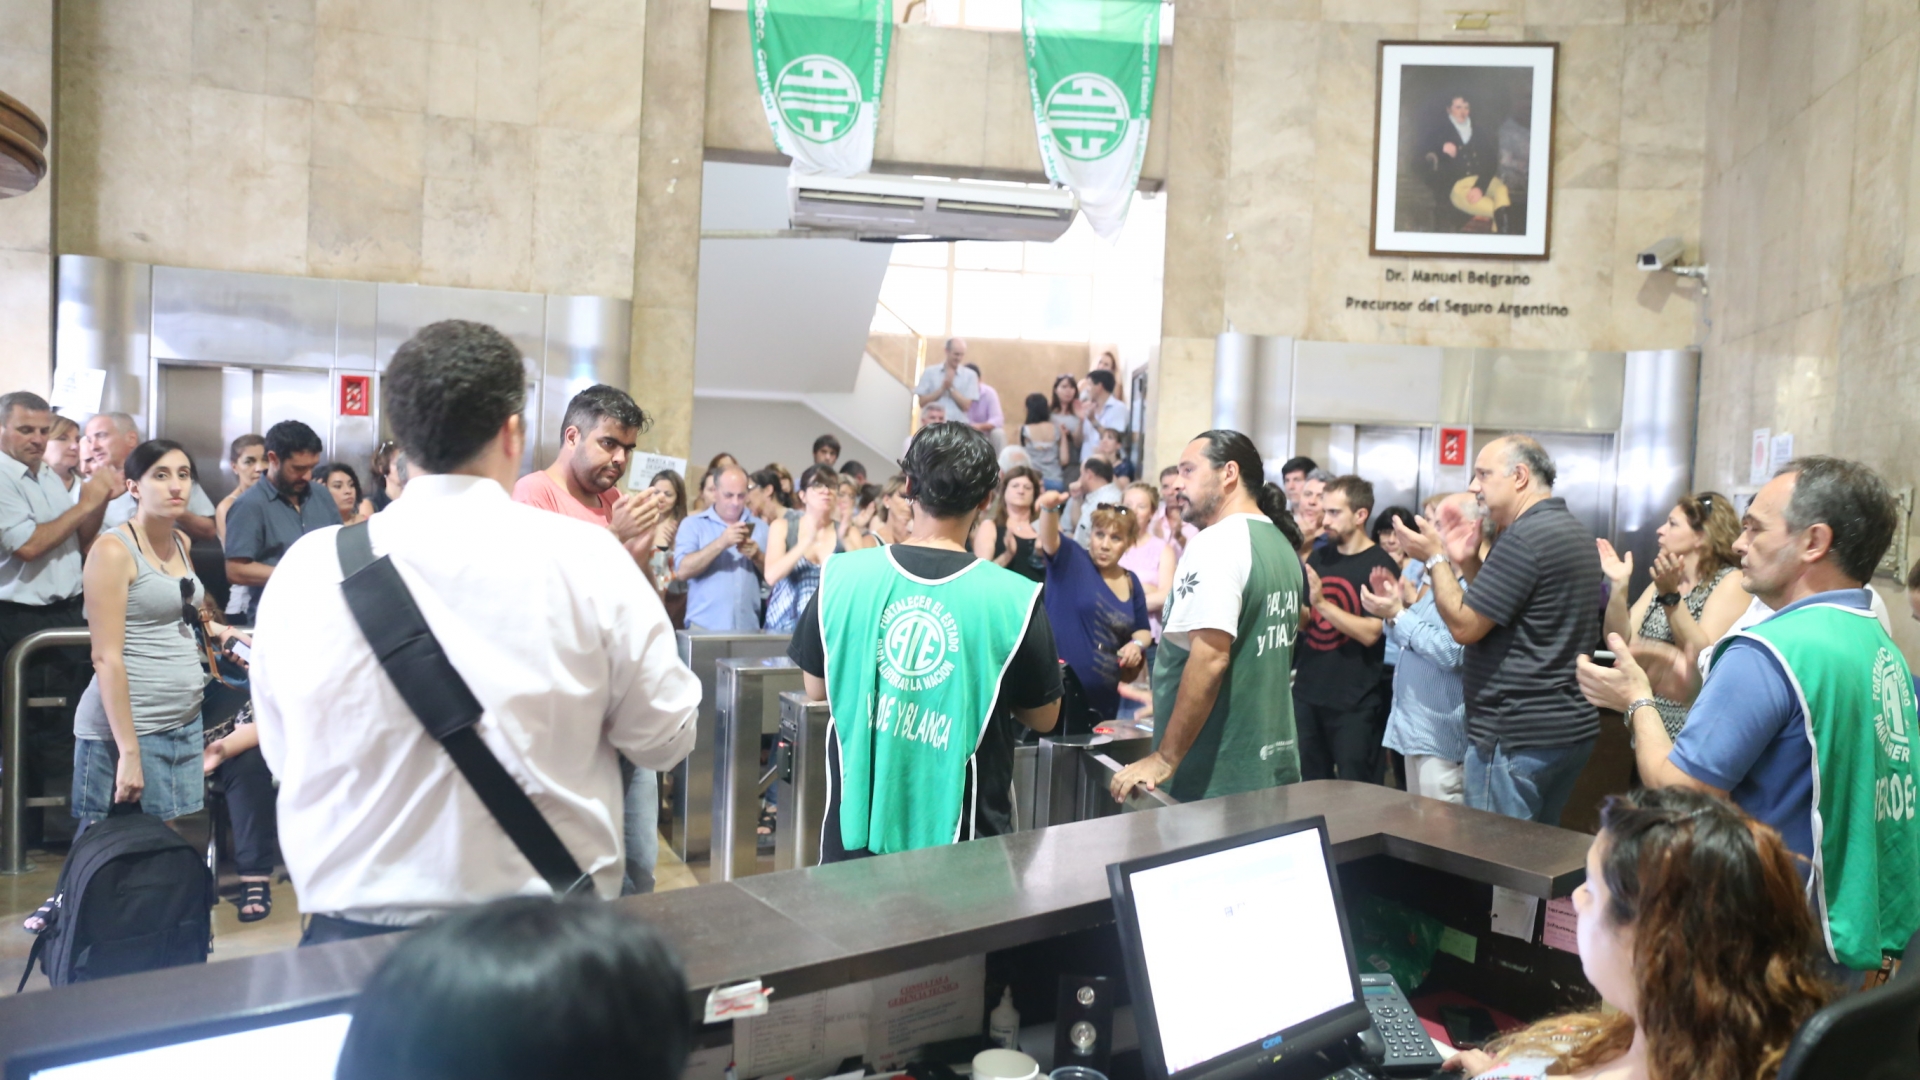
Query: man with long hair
{"x": 1221, "y": 679}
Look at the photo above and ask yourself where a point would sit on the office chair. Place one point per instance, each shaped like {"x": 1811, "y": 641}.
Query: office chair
{"x": 1873, "y": 1035}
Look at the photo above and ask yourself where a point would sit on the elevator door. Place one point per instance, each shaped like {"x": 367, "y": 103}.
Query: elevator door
{"x": 205, "y": 408}
{"x": 1389, "y": 458}
{"x": 1585, "y": 467}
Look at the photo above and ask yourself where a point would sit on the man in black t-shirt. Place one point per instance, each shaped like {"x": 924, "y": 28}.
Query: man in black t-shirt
{"x": 951, "y": 477}
{"x": 1340, "y": 691}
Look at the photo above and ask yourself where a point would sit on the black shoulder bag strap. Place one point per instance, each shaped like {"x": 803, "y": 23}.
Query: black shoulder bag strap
{"x": 439, "y": 697}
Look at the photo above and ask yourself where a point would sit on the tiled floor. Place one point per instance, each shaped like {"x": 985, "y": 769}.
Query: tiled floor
{"x": 21, "y": 894}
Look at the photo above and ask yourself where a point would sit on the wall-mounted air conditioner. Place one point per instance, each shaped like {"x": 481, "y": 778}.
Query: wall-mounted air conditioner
{"x": 881, "y": 207}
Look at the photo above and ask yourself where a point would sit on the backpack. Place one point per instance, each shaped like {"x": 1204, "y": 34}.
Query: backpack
{"x": 133, "y": 896}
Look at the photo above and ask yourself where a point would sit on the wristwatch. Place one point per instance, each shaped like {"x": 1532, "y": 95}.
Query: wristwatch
{"x": 1436, "y": 559}
{"x": 1635, "y": 706}
{"x": 1668, "y": 599}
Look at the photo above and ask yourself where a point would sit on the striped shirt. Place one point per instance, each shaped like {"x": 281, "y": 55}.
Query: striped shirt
{"x": 1541, "y": 588}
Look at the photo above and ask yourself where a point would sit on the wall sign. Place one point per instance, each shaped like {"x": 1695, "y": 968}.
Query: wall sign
{"x": 1453, "y": 446}
{"x": 1760, "y": 463}
{"x": 356, "y": 395}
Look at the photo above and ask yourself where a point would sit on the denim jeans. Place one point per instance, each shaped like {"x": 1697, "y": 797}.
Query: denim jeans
{"x": 1534, "y": 783}
{"x": 643, "y": 831}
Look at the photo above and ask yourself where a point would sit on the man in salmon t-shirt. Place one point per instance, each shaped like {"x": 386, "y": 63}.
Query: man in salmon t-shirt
{"x": 601, "y": 425}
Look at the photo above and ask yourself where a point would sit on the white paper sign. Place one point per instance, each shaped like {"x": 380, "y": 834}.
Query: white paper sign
{"x": 645, "y": 467}
{"x": 77, "y": 390}
{"x": 1782, "y": 452}
{"x": 1513, "y": 913}
{"x": 879, "y": 1021}
{"x": 1760, "y": 465}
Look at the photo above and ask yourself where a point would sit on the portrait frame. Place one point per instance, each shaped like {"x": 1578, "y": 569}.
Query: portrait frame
{"x": 1455, "y": 179}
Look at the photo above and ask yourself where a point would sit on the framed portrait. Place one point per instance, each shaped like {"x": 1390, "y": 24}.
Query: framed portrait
{"x": 1463, "y": 149}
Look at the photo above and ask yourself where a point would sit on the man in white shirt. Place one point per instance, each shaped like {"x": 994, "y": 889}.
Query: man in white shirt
{"x": 109, "y": 438}
{"x": 1107, "y": 411}
{"x": 548, "y": 620}
{"x": 44, "y": 533}
{"x": 1094, "y": 489}
{"x": 955, "y": 387}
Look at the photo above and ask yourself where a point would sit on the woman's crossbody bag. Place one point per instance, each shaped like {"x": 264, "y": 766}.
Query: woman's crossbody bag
{"x": 440, "y": 699}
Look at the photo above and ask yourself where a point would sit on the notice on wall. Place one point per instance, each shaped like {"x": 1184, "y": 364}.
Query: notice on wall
{"x": 647, "y": 466}
{"x": 1782, "y": 452}
{"x": 1760, "y": 464}
{"x": 879, "y": 1021}
{"x": 1562, "y": 930}
{"x": 77, "y": 390}
{"x": 1513, "y": 913}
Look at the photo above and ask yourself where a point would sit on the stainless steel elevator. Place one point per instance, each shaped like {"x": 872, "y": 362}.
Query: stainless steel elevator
{"x": 203, "y": 356}
{"x": 1619, "y": 426}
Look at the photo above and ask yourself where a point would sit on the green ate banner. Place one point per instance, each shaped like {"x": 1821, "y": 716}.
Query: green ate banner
{"x": 1090, "y": 70}
{"x": 821, "y": 64}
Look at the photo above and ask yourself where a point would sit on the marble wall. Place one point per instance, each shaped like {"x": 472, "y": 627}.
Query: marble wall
{"x": 26, "y": 222}
{"x": 1269, "y": 181}
{"x": 476, "y": 143}
{"x": 1812, "y": 228}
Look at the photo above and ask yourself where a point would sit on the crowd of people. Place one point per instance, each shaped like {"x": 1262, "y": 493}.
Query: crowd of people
{"x": 1267, "y": 632}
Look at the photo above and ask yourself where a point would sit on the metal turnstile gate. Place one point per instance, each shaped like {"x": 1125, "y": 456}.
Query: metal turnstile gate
{"x": 746, "y": 707}
{"x": 800, "y": 757}
{"x": 689, "y": 825}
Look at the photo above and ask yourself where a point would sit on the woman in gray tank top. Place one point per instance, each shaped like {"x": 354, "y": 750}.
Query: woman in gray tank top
{"x": 137, "y": 732}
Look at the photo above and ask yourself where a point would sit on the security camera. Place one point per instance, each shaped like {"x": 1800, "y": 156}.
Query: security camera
{"x": 1662, "y": 254}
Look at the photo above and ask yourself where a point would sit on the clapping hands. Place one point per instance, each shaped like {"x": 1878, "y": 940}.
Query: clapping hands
{"x": 1381, "y": 596}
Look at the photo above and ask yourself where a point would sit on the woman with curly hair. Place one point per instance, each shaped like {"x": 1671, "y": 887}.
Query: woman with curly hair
{"x": 1694, "y": 927}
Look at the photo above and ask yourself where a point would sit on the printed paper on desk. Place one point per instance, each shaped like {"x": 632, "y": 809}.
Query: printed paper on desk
{"x": 804, "y": 1036}
{"x": 913, "y": 1008}
{"x": 708, "y": 1063}
{"x": 736, "y": 1001}
{"x": 1513, "y": 913}
{"x": 1563, "y": 925}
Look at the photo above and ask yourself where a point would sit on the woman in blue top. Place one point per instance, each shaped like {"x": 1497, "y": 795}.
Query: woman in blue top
{"x": 1097, "y": 607}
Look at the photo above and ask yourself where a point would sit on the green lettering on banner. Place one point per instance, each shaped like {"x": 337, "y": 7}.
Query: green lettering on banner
{"x": 820, "y": 65}
{"x": 1091, "y": 66}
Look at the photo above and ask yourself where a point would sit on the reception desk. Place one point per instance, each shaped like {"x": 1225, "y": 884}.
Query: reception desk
{"x": 828, "y": 926}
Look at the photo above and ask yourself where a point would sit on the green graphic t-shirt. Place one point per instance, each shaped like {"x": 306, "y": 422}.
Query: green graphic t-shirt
{"x": 1238, "y": 575}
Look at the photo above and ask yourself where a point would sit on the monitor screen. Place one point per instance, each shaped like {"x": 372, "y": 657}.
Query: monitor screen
{"x": 1238, "y": 943}
{"x": 297, "y": 1050}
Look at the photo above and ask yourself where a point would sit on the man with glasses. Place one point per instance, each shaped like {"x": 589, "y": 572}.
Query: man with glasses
{"x": 719, "y": 553}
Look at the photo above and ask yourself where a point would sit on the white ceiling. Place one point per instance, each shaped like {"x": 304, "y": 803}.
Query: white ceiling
{"x": 778, "y": 315}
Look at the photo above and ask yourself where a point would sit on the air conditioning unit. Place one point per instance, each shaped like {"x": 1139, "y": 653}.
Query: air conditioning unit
{"x": 926, "y": 207}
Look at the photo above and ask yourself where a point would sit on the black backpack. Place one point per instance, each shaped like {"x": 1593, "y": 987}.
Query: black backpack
{"x": 133, "y": 896}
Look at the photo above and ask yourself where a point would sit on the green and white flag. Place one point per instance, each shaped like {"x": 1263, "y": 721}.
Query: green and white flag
{"x": 821, "y": 64}
{"x": 1090, "y": 69}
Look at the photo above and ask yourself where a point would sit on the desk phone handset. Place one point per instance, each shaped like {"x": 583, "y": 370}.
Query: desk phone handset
{"x": 1396, "y": 1044}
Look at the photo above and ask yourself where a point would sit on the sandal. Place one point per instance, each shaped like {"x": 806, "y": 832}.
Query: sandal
{"x": 763, "y": 833}
{"x": 255, "y": 894}
{"x": 42, "y": 916}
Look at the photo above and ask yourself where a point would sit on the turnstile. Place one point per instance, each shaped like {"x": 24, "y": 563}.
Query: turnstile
{"x": 1070, "y": 775}
{"x": 746, "y": 706}
{"x": 800, "y": 755}
{"x": 689, "y": 826}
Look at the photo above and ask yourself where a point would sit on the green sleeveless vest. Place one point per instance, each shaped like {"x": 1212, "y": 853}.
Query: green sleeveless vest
{"x": 1249, "y": 741}
{"x": 913, "y": 675}
{"x": 1862, "y": 724}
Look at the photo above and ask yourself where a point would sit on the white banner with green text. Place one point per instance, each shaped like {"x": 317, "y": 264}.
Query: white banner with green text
{"x": 821, "y": 64}
{"x": 1090, "y": 69}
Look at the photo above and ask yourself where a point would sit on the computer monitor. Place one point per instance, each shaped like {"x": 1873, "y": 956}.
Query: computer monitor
{"x": 290, "y": 1046}
{"x": 1237, "y": 953}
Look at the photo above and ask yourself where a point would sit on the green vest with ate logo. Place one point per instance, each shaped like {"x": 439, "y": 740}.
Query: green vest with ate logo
{"x": 913, "y": 675}
{"x": 1856, "y": 693}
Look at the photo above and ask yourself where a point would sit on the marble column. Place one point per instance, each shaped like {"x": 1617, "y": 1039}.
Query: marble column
{"x": 666, "y": 249}
{"x": 26, "y": 221}
{"x": 1193, "y": 297}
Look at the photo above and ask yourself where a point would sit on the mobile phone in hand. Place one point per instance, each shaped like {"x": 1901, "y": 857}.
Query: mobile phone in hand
{"x": 241, "y": 649}
{"x": 1604, "y": 657}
